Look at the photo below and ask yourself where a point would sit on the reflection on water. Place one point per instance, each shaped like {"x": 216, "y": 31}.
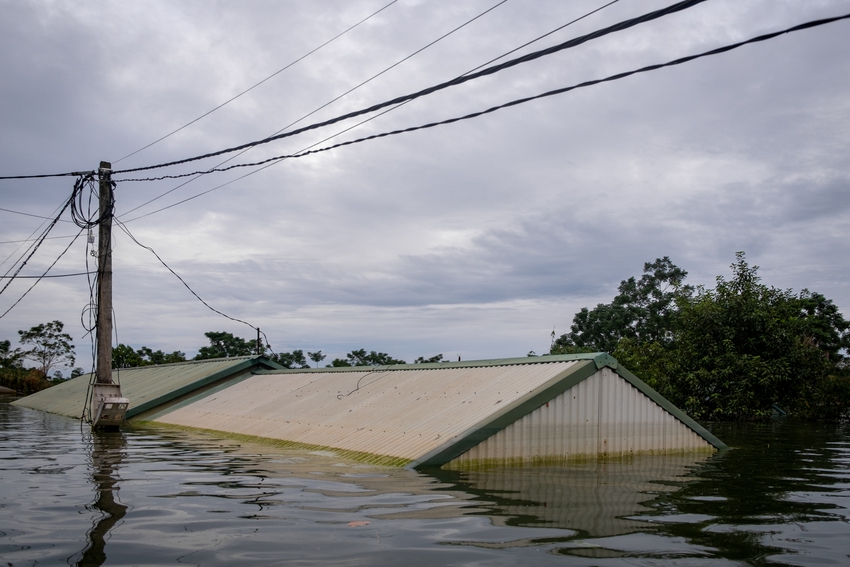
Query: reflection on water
{"x": 160, "y": 497}
{"x": 596, "y": 498}
{"x": 106, "y": 453}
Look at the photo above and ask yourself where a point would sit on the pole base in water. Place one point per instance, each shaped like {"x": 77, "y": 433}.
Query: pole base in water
{"x": 108, "y": 406}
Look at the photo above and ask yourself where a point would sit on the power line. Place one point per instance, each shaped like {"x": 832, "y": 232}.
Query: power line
{"x": 516, "y": 102}
{"x": 346, "y": 93}
{"x": 46, "y": 276}
{"x": 197, "y": 175}
{"x": 34, "y": 248}
{"x": 29, "y": 214}
{"x": 211, "y": 308}
{"x": 545, "y": 35}
{"x": 626, "y": 24}
{"x": 45, "y": 175}
{"x": 38, "y": 278}
{"x": 249, "y": 89}
{"x": 32, "y": 239}
{"x": 202, "y": 193}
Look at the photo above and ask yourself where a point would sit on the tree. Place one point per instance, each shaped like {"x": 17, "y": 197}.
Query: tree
{"x": 49, "y": 346}
{"x": 433, "y": 359}
{"x": 225, "y": 345}
{"x": 361, "y": 358}
{"x": 123, "y": 356}
{"x": 727, "y": 353}
{"x": 294, "y": 359}
{"x": 744, "y": 346}
{"x": 317, "y": 357}
{"x": 642, "y": 311}
{"x": 9, "y": 358}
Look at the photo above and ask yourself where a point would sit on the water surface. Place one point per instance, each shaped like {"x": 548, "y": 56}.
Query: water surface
{"x": 156, "y": 496}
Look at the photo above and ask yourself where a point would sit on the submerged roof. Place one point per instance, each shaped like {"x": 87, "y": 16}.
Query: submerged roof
{"x": 420, "y": 414}
{"x": 147, "y": 387}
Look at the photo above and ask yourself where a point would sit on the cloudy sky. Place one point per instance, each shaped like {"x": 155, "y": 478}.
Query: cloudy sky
{"x": 472, "y": 239}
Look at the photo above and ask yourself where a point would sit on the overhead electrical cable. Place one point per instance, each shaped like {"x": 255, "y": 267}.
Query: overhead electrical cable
{"x": 255, "y": 85}
{"x": 545, "y": 35}
{"x": 53, "y": 276}
{"x": 197, "y": 175}
{"x": 122, "y": 226}
{"x": 29, "y": 214}
{"x": 44, "y": 175}
{"x": 333, "y": 100}
{"x": 626, "y": 24}
{"x": 39, "y": 278}
{"x": 33, "y": 248}
{"x": 516, "y": 102}
{"x": 250, "y": 173}
{"x": 33, "y": 239}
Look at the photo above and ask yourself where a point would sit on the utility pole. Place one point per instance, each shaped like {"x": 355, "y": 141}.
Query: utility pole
{"x": 108, "y": 406}
{"x": 104, "y": 276}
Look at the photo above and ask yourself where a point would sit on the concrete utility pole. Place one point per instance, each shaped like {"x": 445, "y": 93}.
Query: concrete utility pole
{"x": 108, "y": 406}
{"x": 104, "y": 277}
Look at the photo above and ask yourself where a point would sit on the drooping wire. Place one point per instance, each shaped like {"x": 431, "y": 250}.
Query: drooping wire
{"x": 29, "y": 214}
{"x": 524, "y": 100}
{"x": 626, "y": 24}
{"x": 42, "y": 276}
{"x": 31, "y": 238}
{"x": 78, "y": 185}
{"x": 255, "y": 85}
{"x": 122, "y": 226}
{"x": 333, "y": 100}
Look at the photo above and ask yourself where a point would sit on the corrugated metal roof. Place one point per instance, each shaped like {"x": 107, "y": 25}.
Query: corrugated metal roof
{"x": 147, "y": 386}
{"x": 382, "y": 411}
{"x": 427, "y": 414}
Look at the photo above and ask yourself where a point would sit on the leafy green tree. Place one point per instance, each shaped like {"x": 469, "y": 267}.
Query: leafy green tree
{"x": 361, "y": 358}
{"x": 9, "y": 358}
{"x": 225, "y": 345}
{"x": 150, "y": 356}
{"x": 433, "y": 359}
{"x": 642, "y": 311}
{"x": 727, "y": 353}
{"x": 744, "y": 346}
{"x": 123, "y": 356}
{"x": 49, "y": 346}
{"x": 317, "y": 357}
{"x": 294, "y": 359}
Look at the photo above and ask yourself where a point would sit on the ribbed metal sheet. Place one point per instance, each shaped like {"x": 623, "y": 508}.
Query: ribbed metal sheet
{"x": 603, "y": 415}
{"x": 398, "y": 413}
{"x": 595, "y": 497}
{"x": 141, "y": 385}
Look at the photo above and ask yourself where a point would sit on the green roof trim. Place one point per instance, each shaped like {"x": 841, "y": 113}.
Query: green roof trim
{"x": 595, "y": 361}
{"x": 600, "y": 359}
{"x": 670, "y": 407}
{"x": 557, "y": 385}
{"x": 245, "y": 364}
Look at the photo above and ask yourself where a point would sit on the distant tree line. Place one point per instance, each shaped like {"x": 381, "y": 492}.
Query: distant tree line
{"x": 226, "y": 345}
{"x": 47, "y": 346}
{"x": 736, "y": 351}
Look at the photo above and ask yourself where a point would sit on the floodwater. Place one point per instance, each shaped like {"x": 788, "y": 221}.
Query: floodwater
{"x": 157, "y": 496}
